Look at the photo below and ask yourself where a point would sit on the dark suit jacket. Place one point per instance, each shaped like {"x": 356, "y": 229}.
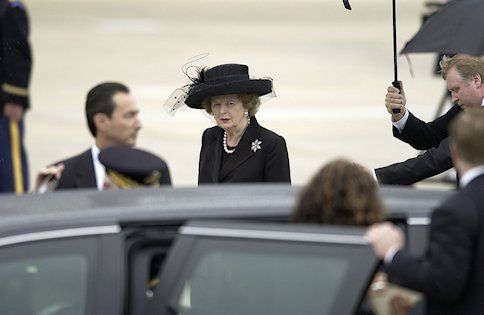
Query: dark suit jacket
{"x": 433, "y": 137}
{"x": 79, "y": 173}
{"x": 451, "y": 273}
{"x": 428, "y": 164}
{"x": 270, "y": 163}
{"x": 422, "y": 135}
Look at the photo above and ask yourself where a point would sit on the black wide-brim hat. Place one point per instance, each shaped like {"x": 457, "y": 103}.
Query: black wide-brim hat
{"x": 225, "y": 79}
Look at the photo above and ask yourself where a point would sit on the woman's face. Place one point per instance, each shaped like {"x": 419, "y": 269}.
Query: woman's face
{"x": 228, "y": 111}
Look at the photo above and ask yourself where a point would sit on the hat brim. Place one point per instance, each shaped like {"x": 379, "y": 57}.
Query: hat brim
{"x": 199, "y": 93}
{"x": 131, "y": 162}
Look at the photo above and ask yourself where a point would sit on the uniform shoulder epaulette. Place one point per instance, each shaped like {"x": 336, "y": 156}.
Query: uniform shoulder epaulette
{"x": 16, "y": 4}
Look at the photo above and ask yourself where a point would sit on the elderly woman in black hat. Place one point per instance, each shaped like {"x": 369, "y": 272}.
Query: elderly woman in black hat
{"x": 238, "y": 149}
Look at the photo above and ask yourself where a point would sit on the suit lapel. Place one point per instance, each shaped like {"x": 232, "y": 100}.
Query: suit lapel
{"x": 243, "y": 150}
{"x": 217, "y": 154}
{"x": 85, "y": 176}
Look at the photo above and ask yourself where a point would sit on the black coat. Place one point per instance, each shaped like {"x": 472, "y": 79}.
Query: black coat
{"x": 15, "y": 55}
{"x": 433, "y": 137}
{"x": 270, "y": 163}
{"x": 79, "y": 173}
{"x": 451, "y": 272}
{"x": 422, "y": 135}
{"x": 433, "y": 162}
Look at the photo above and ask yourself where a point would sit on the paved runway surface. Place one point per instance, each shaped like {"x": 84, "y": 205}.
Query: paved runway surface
{"x": 330, "y": 68}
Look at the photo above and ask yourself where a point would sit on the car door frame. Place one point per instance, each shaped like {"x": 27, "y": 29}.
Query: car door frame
{"x": 194, "y": 234}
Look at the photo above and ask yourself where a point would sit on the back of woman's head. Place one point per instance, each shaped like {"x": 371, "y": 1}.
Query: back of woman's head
{"x": 342, "y": 193}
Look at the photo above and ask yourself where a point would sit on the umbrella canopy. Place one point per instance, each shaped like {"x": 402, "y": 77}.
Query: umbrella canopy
{"x": 457, "y": 28}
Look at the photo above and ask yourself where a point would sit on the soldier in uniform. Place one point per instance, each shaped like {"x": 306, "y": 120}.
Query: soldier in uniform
{"x": 15, "y": 67}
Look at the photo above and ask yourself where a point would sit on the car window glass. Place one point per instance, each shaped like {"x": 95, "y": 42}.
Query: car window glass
{"x": 223, "y": 282}
{"x": 50, "y": 285}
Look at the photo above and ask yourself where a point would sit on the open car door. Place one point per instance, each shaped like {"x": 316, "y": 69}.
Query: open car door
{"x": 254, "y": 268}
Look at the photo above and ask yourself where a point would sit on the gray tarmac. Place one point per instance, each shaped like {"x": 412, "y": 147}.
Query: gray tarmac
{"x": 330, "y": 68}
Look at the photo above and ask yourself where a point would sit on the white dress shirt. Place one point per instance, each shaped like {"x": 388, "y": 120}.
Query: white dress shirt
{"x": 470, "y": 175}
{"x": 99, "y": 169}
{"x": 402, "y": 122}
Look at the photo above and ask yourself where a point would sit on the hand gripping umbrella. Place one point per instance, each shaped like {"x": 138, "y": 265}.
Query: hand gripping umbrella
{"x": 395, "y": 82}
{"x": 456, "y": 28}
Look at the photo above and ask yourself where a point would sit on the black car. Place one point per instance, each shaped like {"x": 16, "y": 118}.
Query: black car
{"x": 134, "y": 252}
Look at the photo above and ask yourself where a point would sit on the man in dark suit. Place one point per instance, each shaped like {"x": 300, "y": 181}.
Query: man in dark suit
{"x": 15, "y": 69}
{"x": 464, "y": 75}
{"x": 112, "y": 117}
{"x": 410, "y": 129}
{"x": 450, "y": 273}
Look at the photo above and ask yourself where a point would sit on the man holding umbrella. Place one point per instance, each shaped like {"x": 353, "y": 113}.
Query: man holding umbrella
{"x": 464, "y": 76}
{"x": 447, "y": 32}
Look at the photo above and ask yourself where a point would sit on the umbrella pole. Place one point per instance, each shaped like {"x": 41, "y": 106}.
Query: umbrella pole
{"x": 395, "y": 82}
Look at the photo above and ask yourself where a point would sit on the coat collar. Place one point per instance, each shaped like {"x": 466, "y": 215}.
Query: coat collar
{"x": 242, "y": 152}
{"x": 85, "y": 175}
{"x": 470, "y": 175}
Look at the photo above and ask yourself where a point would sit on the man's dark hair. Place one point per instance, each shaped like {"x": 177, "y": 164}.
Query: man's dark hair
{"x": 100, "y": 100}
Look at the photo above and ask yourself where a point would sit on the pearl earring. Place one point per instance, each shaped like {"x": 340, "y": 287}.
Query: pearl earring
{"x": 246, "y": 114}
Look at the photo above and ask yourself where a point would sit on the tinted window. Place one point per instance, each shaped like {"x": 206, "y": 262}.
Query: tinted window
{"x": 44, "y": 285}
{"x": 46, "y": 278}
{"x": 260, "y": 283}
{"x": 216, "y": 276}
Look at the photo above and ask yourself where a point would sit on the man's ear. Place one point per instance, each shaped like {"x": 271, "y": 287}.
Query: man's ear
{"x": 100, "y": 120}
{"x": 477, "y": 79}
{"x": 454, "y": 154}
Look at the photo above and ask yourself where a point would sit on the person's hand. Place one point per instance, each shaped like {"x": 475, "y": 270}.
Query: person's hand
{"x": 14, "y": 112}
{"x": 394, "y": 100}
{"x": 47, "y": 177}
{"x": 379, "y": 284}
{"x": 400, "y": 304}
{"x": 383, "y": 237}
{"x": 399, "y": 301}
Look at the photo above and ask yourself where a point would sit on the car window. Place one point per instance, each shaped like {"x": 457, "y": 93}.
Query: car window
{"x": 46, "y": 278}
{"x": 247, "y": 275}
{"x": 44, "y": 285}
{"x": 225, "y": 282}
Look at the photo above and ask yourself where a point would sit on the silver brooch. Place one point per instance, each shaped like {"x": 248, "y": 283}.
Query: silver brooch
{"x": 256, "y": 145}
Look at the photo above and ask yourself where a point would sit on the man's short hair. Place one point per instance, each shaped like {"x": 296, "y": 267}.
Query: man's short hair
{"x": 467, "y": 135}
{"x": 466, "y": 66}
{"x": 100, "y": 100}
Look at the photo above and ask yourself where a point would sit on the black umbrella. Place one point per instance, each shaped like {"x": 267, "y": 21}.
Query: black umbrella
{"x": 457, "y": 28}
{"x": 395, "y": 82}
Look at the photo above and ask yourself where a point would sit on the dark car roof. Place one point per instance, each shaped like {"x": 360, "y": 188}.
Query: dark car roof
{"x": 152, "y": 206}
